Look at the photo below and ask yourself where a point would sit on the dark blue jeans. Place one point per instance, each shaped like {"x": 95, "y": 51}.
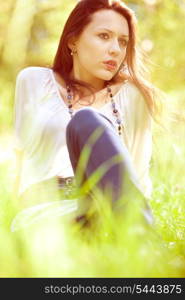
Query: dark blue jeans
{"x": 90, "y": 129}
{"x": 120, "y": 177}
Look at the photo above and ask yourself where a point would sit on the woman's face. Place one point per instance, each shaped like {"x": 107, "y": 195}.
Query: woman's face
{"x": 104, "y": 39}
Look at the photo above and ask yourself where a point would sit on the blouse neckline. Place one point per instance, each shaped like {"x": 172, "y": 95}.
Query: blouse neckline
{"x": 62, "y": 100}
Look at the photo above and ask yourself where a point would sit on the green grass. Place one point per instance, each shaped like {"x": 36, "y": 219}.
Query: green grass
{"x": 115, "y": 245}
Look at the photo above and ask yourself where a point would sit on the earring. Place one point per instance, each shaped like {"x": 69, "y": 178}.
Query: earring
{"x": 73, "y": 51}
{"x": 123, "y": 67}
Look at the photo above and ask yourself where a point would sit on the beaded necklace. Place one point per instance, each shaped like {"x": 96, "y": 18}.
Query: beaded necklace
{"x": 114, "y": 109}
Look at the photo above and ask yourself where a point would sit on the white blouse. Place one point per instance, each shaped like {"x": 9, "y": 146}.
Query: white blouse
{"x": 41, "y": 117}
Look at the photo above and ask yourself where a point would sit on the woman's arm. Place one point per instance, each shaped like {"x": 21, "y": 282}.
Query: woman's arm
{"x": 19, "y": 125}
{"x": 141, "y": 149}
{"x": 140, "y": 137}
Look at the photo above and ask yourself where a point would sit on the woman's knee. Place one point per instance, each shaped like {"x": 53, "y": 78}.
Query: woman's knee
{"x": 77, "y": 121}
{"x": 86, "y": 118}
{"x": 85, "y": 114}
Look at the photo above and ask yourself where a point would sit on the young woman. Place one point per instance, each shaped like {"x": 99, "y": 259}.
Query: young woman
{"x": 96, "y": 82}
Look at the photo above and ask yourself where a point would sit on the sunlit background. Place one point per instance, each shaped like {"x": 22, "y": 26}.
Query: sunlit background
{"x": 29, "y": 36}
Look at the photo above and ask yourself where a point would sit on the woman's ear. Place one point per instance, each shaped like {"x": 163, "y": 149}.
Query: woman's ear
{"x": 72, "y": 44}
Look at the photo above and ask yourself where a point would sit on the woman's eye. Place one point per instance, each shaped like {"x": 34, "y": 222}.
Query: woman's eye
{"x": 124, "y": 42}
{"x": 104, "y": 34}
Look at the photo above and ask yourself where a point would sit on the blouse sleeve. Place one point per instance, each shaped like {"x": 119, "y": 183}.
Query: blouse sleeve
{"x": 139, "y": 135}
{"x": 22, "y": 110}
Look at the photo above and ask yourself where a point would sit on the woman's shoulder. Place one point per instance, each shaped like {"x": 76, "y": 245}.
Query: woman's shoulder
{"x": 134, "y": 94}
{"x": 32, "y": 72}
{"x": 132, "y": 89}
{"x": 134, "y": 100}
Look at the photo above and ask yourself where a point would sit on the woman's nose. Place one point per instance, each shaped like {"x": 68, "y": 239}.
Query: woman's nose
{"x": 115, "y": 48}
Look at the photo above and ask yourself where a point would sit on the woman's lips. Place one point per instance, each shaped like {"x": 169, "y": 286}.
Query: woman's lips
{"x": 110, "y": 66}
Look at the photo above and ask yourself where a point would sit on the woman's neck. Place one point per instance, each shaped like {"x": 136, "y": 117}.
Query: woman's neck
{"x": 97, "y": 84}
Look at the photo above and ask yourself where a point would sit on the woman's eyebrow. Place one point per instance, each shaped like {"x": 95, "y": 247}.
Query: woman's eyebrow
{"x": 123, "y": 35}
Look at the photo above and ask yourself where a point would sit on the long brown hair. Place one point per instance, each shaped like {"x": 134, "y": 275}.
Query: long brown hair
{"x": 79, "y": 18}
